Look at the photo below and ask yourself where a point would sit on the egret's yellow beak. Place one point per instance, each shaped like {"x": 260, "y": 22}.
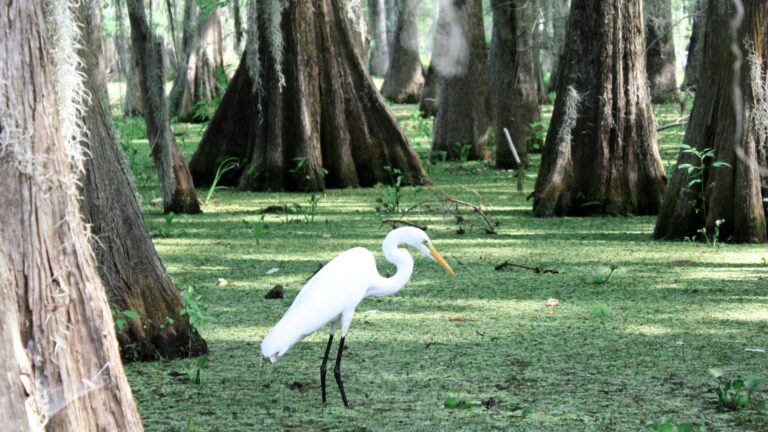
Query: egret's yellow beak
{"x": 440, "y": 260}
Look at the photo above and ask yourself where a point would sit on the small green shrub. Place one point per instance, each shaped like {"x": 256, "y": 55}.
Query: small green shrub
{"x": 738, "y": 394}
{"x": 226, "y": 165}
{"x": 389, "y": 201}
{"x": 121, "y": 318}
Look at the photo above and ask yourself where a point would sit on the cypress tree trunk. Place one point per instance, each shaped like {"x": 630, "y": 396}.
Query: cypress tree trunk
{"x": 405, "y": 77}
{"x": 197, "y": 82}
{"x": 133, "y": 105}
{"x": 361, "y": 38}
{"x": 696, "y": 46}
{"x": 326, "y": 125}
{"x": 710, "y": 191}
{"x": 377, "y": 24}
{"x": 440, "y": 50}
{"x": 559, "y": 23}
{"x": 464, "y": 108}
{"x": 514, "y": 77}
{"x": 237, "y": 17}
{"x": 391, "y": 13}
{"x": 128, "y": 263}
{"x": 61, "y": 363}
{"x": 430, "y": 93}
{"x": 660, "y": 50}
{"x": 600, "y": 156}
{"x": 179, "y": 195}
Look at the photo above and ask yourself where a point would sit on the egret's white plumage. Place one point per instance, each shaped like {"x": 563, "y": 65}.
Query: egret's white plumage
{"x": 331, "y": 295}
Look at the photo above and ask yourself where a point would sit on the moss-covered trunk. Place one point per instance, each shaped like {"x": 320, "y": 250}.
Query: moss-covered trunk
{"x": 60, "y": 358}
{"x": 129, "y": 266}
{"x": 178, "y": 191}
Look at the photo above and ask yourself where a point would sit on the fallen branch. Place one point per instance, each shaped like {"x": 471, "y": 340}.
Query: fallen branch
{"x": 490, "y": 225}
{"x": 404, "y": 222}
{"x": 683, "y": 121}
{"x": 507, "y": 264}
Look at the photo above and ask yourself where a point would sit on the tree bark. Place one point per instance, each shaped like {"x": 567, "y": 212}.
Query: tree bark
{"x": 198, "y": 82}
{"x": 557, "y": 21}
{"x": 600, "y": 155}
{"x": 170, "y": 7}
{"x": 61, "y": 362}
{"x": 133, "y": 105}
{"x": 696, "y": 46}
{"x": 377, "y": 24}
{"x": 326, "y": 126}
{"x": 391, "y": 14}
{"x": 464, "y": 114}
{"x": 734, "y": 193}
{"x": 405, "y": 77}
{"x": 514, "y": 77}
{"x": 129, "y": 266}
{"x": 660, "y": 50}
{"x": 440, "y": 49}
{"x": 430, "y": 94}
{"x": 237, "y": 17}
{"x": 176, "y": 187}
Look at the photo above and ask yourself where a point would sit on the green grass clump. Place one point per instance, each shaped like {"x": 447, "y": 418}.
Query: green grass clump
{"x": 611, "y": 356}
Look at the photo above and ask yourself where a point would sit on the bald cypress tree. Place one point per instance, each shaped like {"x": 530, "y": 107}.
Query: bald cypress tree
{"x": 600, "y": 155}
{"x": 62, "y": 368}
{"x": 301, "y": 112}
{"x": 718, "y": 185}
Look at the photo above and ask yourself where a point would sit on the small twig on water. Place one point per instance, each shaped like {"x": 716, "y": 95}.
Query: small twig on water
{"x": 507, "y": 264}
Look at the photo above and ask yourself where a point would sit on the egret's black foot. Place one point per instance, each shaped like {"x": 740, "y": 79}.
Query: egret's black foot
{"x": 323, "y": 368}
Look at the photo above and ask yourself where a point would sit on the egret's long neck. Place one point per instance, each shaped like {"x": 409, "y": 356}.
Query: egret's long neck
{"x": 401, "y": 258}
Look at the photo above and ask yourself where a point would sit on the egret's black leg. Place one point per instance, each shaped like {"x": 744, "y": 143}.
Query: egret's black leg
{"x": 337, "y": 372}
{"x": 322, "y": 366}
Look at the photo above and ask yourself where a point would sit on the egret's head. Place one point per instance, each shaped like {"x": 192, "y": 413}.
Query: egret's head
{"x": 419, "y": 240}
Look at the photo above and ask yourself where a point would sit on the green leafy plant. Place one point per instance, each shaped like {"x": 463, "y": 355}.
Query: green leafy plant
{"x": 167, "y": 321}
{"x": 389, "y": 201}
{"x": 667, "y": 424}
{"x": 193, "y": 308}
{"x": 462, "y": 150}
{"x": 602, "y": 313}
{"x": 311, "y": 211}
{"x": 713, "y": 240}
{"x": 121, "y": 318}
{"x": 738, "y": 394}
{"x": 205, "y": 108}
{"x": 597, "y": 278}
{"x": 535, "y": 134}
{"x": 196, "y": 368}
{"x": 299, "y": 170}
{"x": 167, "y": 230}
{"x": 696, "y": 191}
{"x": 256, "y": 230}
{"x": 226, "y": 165}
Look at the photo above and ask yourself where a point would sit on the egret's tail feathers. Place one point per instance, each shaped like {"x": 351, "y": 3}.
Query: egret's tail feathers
{"x": 278, "y": 341}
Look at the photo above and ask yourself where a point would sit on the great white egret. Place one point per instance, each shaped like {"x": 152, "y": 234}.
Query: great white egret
{"x": 332, "y": 295}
